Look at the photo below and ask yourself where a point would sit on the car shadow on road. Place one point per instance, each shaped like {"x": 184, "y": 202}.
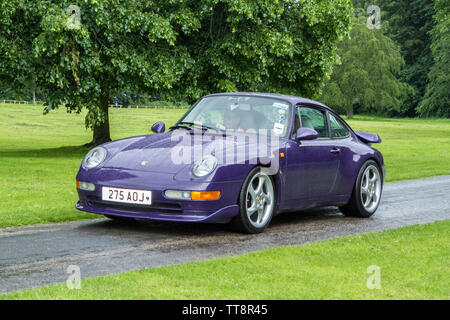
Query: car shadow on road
{"x": 282, "y": 222}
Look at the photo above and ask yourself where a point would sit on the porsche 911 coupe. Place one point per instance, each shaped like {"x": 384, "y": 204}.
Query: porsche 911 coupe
{"x": 237, "y": 158}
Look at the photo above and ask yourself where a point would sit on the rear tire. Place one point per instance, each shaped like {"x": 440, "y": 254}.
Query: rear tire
{"x": 366, "y": 194}
{"x": 256, "y": 203}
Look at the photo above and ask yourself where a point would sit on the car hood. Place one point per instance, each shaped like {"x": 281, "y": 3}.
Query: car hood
{"x": 150, "y": 153}
{"x": 162, "y": 152}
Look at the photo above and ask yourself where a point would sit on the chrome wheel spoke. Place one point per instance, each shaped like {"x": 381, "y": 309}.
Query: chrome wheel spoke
{"x": 367, "y": 179}
{"x": 260, "y": 215}
{"x": 251, "y": 210}
{"x": 373, "y": 179}
{"x": 368, "y": 199}
{"x": 252, "y": 193}
{"x": 259, "y": 188}
{"x": 375, "y": 197}
{"x": 365, "y": 190}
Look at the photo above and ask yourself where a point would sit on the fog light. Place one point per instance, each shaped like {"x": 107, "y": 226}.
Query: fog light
{"x": 87, "y": 186}
{"x": 178, "y": 194}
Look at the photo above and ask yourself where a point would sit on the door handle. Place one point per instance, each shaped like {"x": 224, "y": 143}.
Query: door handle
{"x": 335, "y": 150}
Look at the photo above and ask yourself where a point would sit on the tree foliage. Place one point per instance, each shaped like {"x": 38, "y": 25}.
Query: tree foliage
{"x": 367, "y": 75}
{"x": 437, "y": 97}
{"x": 408, "y": 23}
{"x": 183, "y": 48}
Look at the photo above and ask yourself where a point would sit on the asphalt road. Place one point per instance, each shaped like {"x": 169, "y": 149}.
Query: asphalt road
{"x": 40, "y": 255}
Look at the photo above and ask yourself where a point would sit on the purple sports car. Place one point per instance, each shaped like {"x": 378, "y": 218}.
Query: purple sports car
{"x": 237, "y": 158}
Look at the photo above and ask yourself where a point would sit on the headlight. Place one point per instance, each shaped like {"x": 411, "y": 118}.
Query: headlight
{"x": 205, "y": 166}
{"x": 94, "y": 158}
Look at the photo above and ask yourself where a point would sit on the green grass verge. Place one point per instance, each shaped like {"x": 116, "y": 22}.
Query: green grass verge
{"x": 40, "y": 155}
{"x": 414, "y": 264}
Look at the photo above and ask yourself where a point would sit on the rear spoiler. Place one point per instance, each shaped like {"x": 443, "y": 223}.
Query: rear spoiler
{"x": 368, "y": 137}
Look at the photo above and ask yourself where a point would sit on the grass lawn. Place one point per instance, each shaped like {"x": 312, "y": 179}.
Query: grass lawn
{"x": 414, "y": 264}
{"x": 412, "y": 148}
{"x": 40, "y": 155}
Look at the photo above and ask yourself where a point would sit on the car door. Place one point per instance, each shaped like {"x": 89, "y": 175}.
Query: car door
{"x": 311, "y": 166}
{"x": 340, "y": 133}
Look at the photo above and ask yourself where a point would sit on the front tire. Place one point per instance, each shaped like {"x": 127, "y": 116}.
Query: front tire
{"x": 366, "y": 194}
{"x": 256, "y": 203}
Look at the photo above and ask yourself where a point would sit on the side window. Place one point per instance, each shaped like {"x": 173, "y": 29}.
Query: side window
{"x": 314, "y": 119}
{"x": 338, "y": 129}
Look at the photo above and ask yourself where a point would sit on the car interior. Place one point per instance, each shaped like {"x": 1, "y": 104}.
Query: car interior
{"x": 313, "y": 119}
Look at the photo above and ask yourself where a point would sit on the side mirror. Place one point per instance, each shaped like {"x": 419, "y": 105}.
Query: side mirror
{"x": 159, "y": 127}
{"x": 306, "y": 134}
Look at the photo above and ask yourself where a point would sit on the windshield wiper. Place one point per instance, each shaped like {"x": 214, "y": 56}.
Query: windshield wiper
{"x": 204, "y": 127}
{"x": 182, "y": 126}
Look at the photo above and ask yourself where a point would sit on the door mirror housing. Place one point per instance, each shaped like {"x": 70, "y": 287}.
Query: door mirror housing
{"x": 306, "y": 134}
{"x": 159, "y": 127}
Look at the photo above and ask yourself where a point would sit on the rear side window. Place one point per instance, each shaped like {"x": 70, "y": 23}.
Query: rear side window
{"x": 338, "y": 129}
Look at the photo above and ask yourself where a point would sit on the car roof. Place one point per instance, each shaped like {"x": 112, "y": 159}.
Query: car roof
{"x": 292, "y": 99}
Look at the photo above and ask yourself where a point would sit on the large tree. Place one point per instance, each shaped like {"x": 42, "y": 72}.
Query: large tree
{"x": 367, "y": 75}
{"x": 437, "y": 97}
{"x": 408, "y": 23}
{"x": 80, "y": 55}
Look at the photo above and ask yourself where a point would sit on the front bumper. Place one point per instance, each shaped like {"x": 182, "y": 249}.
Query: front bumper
{"x": 221, "y": 210}
{"x": 223, "y": 215}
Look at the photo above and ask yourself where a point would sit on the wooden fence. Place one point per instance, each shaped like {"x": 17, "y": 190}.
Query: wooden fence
{"x": 149, "y": 107}
{"x": 16, "y": 102}
{"x": 111, "y": 105}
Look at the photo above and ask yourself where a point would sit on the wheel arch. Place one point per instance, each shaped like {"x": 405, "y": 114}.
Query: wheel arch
{"x": 357, "y": 169}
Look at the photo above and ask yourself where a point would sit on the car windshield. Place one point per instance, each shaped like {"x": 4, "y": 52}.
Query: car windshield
{"x": 240, "y": 113}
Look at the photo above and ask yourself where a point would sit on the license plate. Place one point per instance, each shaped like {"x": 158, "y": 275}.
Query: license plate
{"x": 127, "y": 195}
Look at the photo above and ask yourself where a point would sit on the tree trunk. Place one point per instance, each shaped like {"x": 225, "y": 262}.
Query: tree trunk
{"x": 350, "y": 112}
{"x": 101, "y": 131}
{"x": 34, "y": 96}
